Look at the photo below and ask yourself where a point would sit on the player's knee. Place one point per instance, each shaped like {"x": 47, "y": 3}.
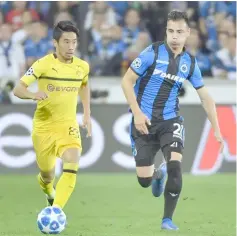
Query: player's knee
{"x": 173, "y": 151}
{"x": 175, "y": 156}
{"x": 174, "y": 182}
{"x": 71, "y": 155}
{"x": 145, "y": 182}
{"x": 47, "y": 177}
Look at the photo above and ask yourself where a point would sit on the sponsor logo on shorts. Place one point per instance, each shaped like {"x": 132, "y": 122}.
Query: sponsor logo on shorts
{"x": 174, "y": 144}
{"x": 52, "y": 88}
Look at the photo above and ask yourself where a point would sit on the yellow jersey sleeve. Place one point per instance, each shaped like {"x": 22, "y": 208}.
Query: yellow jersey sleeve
{"x": 34, "y": 72}
{"x": 86, "y": 77}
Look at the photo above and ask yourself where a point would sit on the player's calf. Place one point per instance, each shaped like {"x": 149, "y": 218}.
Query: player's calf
{"x": 174, "y": 182}
{"x": 144, "y": 175}
{"x": 67, "y": 181}
{"x": 46, "y": 181}
{"x": 145, "y": 182}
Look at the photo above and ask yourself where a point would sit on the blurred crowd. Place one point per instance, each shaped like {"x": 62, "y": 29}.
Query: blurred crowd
{"x": 112, "y": 34}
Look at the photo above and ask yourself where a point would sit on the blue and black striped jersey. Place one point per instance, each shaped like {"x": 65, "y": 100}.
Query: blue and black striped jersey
{"x": 161, "y": 76}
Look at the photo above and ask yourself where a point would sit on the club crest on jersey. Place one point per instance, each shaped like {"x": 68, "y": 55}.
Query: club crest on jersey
{"x": 184, "y": 68}
{"x": 30, "y": 72}
{"x": 79, "y": 73}
{"x": 137, "y": 63}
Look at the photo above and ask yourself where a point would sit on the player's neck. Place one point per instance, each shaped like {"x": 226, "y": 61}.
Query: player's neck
{"x": 176, "y": 51}
{"x": 62, "y": 59}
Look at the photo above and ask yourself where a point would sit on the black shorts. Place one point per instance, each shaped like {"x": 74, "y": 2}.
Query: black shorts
{"x": 145, "y": 147}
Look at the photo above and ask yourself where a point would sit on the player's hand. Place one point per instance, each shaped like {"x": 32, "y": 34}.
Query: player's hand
{"x": 141, "y": 121}
{"x": 39, "y": 96}
{"x": 220, "y": 140}
{"x": 87, "y": 125}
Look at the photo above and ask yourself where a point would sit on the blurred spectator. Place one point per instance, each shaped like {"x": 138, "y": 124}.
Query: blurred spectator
{"x": 195, "y": 49}
{"x": 134, "y": 35}
{"x": 64, "y": 15}
{"x": 223, "y": 37}
{"x": 14, "y": 16}
{"x": 193, "y": 12}
{"x": 1, "y": 18}
{"x": 227, "y": 25}
{"x": 231, "y": 9}
{"x": 154, "y": 15}
{"x": 12, "y": 59}
{"x": 42, "y": 7}
{"x": 100, "y": 7}
{"x": 120, "y": 8}
{"x": 106, "y": 57}
{"x": 59, "y": 7}
{"x": 5, "y": 7}
{"x": 21, "y": 34}
{"x": 39, "y": 43}
{"x": 74, "y": 10}
{"x": 225, "y": 60}
{"x": 94, "y": 33}
{"x": 211, "y": 15}
{"x": 178, "y": 5}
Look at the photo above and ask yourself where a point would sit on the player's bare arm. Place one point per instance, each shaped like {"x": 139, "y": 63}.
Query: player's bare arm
{"x": 84, "y": 94}
{"x": 140, "y": 120}
{"x": 210, "y": 108}
{"x": 21, "y": 91}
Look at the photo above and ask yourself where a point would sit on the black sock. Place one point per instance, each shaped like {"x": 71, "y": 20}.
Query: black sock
{"x": 173, "y": 188}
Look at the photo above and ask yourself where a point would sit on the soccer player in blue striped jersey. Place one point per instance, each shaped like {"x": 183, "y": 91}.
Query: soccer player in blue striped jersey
{"x": 158, "y": 74}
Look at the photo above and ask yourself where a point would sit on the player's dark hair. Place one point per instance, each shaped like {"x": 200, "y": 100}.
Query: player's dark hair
{"x": 178, "y": 15}
{"x": 64, "y": 26}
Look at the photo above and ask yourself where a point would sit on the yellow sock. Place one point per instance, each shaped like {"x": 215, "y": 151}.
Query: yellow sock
{"x": 66, "y": 184}
{"x": 47, "y": 188}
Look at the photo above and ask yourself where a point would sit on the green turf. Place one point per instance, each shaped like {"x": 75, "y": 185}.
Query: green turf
{"x": 115, "y": 205}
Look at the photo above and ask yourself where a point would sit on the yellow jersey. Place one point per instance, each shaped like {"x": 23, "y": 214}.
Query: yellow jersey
{"x": 61, "y": 82}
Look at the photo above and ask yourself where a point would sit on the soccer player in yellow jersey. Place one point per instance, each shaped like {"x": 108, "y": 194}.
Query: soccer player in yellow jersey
{"x": 61, "y": 77}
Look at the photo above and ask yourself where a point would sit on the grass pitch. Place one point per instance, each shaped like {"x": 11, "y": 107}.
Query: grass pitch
{"x": 115, "y": 205}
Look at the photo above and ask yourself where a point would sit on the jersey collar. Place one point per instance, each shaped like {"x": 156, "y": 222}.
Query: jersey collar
{"x": 55, "y": 57}
{"x": 170, "y": 51}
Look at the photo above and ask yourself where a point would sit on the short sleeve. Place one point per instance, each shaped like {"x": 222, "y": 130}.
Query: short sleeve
{"x": 196, "y": 79}
{"x": 34, "y": 72}
{"x": 86, "y": 77}
{"x": 143, "y": 61}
